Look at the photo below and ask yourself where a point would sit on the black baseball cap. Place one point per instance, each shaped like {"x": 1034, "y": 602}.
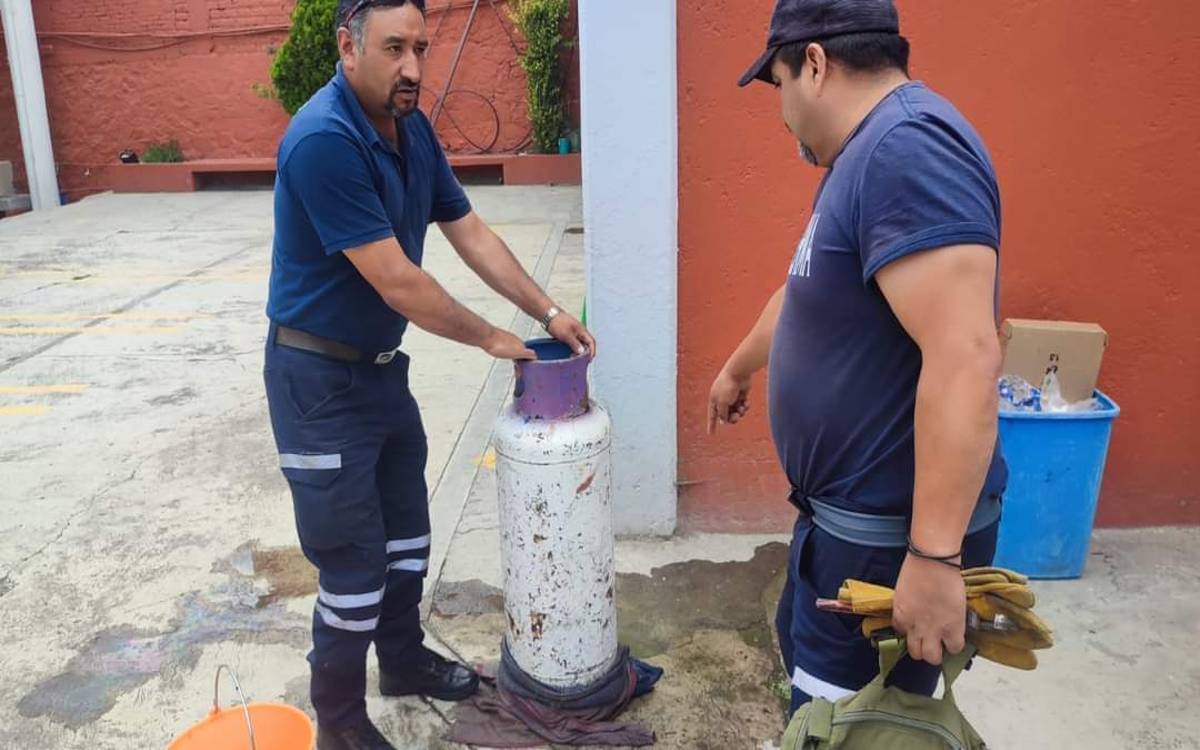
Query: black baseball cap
{"x": 814, "y": 20}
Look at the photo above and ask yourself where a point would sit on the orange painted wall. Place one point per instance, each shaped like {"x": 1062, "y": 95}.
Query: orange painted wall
{"x": 201, "y": 90}
{"x": 1090, "y": 111}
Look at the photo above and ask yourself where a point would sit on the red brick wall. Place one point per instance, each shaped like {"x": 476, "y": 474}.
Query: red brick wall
{"x": 199, "y": 87}
{"x": 198, "y": 90}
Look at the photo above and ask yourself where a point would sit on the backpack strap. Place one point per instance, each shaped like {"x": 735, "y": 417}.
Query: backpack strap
{"x": 892, "y": 650}
{"x": 820, "y": 720}
{"x": 953, "y": 666}
{"x": 811, "y": 722}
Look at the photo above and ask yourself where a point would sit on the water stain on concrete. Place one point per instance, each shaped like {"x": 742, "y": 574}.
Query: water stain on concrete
{"x": 666, "y": 607}
{"x": 715, "y": 695}
{"x": 287, "y": 571}
{"x": 730, "y": 607}
{"x": 174, "y": 398}
{"x": 467, "y": 598}
{"x": 709, "y": 625}
{"x": 260, "y": 577}
{"x": 121, "y": 659}
{"x": 213, "y": 348}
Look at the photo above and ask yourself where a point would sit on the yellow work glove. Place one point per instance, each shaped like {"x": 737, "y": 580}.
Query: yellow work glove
{"x": 871, "y": 624}
{"x": 987, "y": 646}
{"x": 873, "y": 599}
{"x": 1018, "y": 594}
{"x": 1003, "y": 583}
{"x": 1003, "y": 574}
{"x": 990, "y": 592}
{"x": 1010, "y": 649}
{"x": 1031, "y": 630}
{"x": 867, "y": 598}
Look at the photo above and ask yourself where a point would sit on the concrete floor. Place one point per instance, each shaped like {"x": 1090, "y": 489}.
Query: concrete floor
{"x": 1124, "y": 672}
{"x": 141, "y": 499}
{"x": 146, "y": 535}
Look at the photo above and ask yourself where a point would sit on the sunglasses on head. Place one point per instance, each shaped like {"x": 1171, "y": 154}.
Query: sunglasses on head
{"x": 363, "y": 4}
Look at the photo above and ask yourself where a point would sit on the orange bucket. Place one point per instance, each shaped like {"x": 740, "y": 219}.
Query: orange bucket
{"x": 254, "y": 726}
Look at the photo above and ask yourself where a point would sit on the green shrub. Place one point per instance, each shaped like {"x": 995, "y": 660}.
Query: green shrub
{"x": 163, "y": 153}
{"x": 308, "y": 58}
{"x": 540, "y": 22}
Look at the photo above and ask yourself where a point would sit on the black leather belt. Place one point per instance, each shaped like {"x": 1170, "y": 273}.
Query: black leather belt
{"x": 304, "y": 341}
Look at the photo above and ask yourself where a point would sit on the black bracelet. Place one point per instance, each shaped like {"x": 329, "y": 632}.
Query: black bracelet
{"x": 949, "y": 560}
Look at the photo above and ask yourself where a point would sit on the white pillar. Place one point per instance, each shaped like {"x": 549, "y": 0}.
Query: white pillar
{"x": 630, "y": 200}
{"x": 24, "y": 60}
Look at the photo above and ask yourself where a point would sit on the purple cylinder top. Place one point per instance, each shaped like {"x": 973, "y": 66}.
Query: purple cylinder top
{"x": 554, "y": 386}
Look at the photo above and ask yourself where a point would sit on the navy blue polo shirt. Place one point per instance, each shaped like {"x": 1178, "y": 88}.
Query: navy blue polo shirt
{"x": 340, "y": 185}
{"x": 914, "y": 176}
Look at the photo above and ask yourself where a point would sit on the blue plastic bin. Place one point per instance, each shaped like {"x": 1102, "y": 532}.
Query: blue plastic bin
{"x": 1055, "y": 463}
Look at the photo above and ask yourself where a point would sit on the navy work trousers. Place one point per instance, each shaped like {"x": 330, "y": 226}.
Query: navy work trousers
{"x": 353, "y": 449}
{"x": 826, "y": 653}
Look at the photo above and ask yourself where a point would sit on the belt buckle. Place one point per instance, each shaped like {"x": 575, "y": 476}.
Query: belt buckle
{"x": 385, "y": 358}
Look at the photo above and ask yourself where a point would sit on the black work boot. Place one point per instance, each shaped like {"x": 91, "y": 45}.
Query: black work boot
{"x": 360, "y": 736}
{"x": 433, "y": 676}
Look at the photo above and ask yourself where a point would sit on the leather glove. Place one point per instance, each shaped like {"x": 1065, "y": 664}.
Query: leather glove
{"x": 991, "y": 592}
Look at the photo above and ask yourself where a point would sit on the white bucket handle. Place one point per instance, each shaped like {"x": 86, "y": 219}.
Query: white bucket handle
{"x": 241, "y": 697}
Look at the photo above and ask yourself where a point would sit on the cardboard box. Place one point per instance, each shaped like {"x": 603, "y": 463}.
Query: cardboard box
{"x": 1033, "y": 347}
{"x": 6, "y": 179}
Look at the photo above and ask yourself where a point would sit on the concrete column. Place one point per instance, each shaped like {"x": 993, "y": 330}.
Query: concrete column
{"x": 630, "y": 197}
{"x": 20, "y": 38}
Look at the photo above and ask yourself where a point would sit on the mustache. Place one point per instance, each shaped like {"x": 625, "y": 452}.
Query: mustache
{"x": 406, "y": 88}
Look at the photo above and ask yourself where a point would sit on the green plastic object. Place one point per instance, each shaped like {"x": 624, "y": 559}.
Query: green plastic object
{"x": 886, "y": 717}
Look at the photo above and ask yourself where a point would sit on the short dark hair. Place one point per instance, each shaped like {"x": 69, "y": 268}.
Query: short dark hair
{"x": 868, "y": 52}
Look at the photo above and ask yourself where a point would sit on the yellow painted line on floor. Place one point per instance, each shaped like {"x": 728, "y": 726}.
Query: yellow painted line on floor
{"x": 487, "y": 460}
{"x": 32, "y": 410}
{"x": 17, "y": 317}
{"x": 41, "y": 390}
{"x": 91, "y": 331}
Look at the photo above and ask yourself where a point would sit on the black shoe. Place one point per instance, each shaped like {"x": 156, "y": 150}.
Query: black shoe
{"x": 360, "y": 736}
{"x": 434, "y": 676}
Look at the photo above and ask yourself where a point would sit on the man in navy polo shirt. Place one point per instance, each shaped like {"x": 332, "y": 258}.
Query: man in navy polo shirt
{"x": 361, "y": 175}
{"x": 881, "y": 345}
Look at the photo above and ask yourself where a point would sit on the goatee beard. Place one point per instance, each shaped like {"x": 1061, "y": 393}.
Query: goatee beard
{"x": 808, "y": 155}
{"x": 402, "y": 112}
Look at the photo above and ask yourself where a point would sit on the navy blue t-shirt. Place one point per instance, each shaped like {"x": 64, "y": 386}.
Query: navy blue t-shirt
{"x": 843, "y": 372}
{"x": 341, "y": 185}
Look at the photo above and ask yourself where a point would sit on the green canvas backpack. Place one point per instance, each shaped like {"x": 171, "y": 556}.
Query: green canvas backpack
{"x": 886, "y": 718}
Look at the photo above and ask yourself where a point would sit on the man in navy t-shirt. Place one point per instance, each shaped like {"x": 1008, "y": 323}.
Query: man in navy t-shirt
{"x": 881, "y": 345}
{"x": 361, "y": 176}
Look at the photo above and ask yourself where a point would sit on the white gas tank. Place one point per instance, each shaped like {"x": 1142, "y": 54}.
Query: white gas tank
{"x": 554, "y": 485}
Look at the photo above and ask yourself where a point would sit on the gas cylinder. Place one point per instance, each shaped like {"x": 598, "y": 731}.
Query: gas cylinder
{"x": 556, "y": 525}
